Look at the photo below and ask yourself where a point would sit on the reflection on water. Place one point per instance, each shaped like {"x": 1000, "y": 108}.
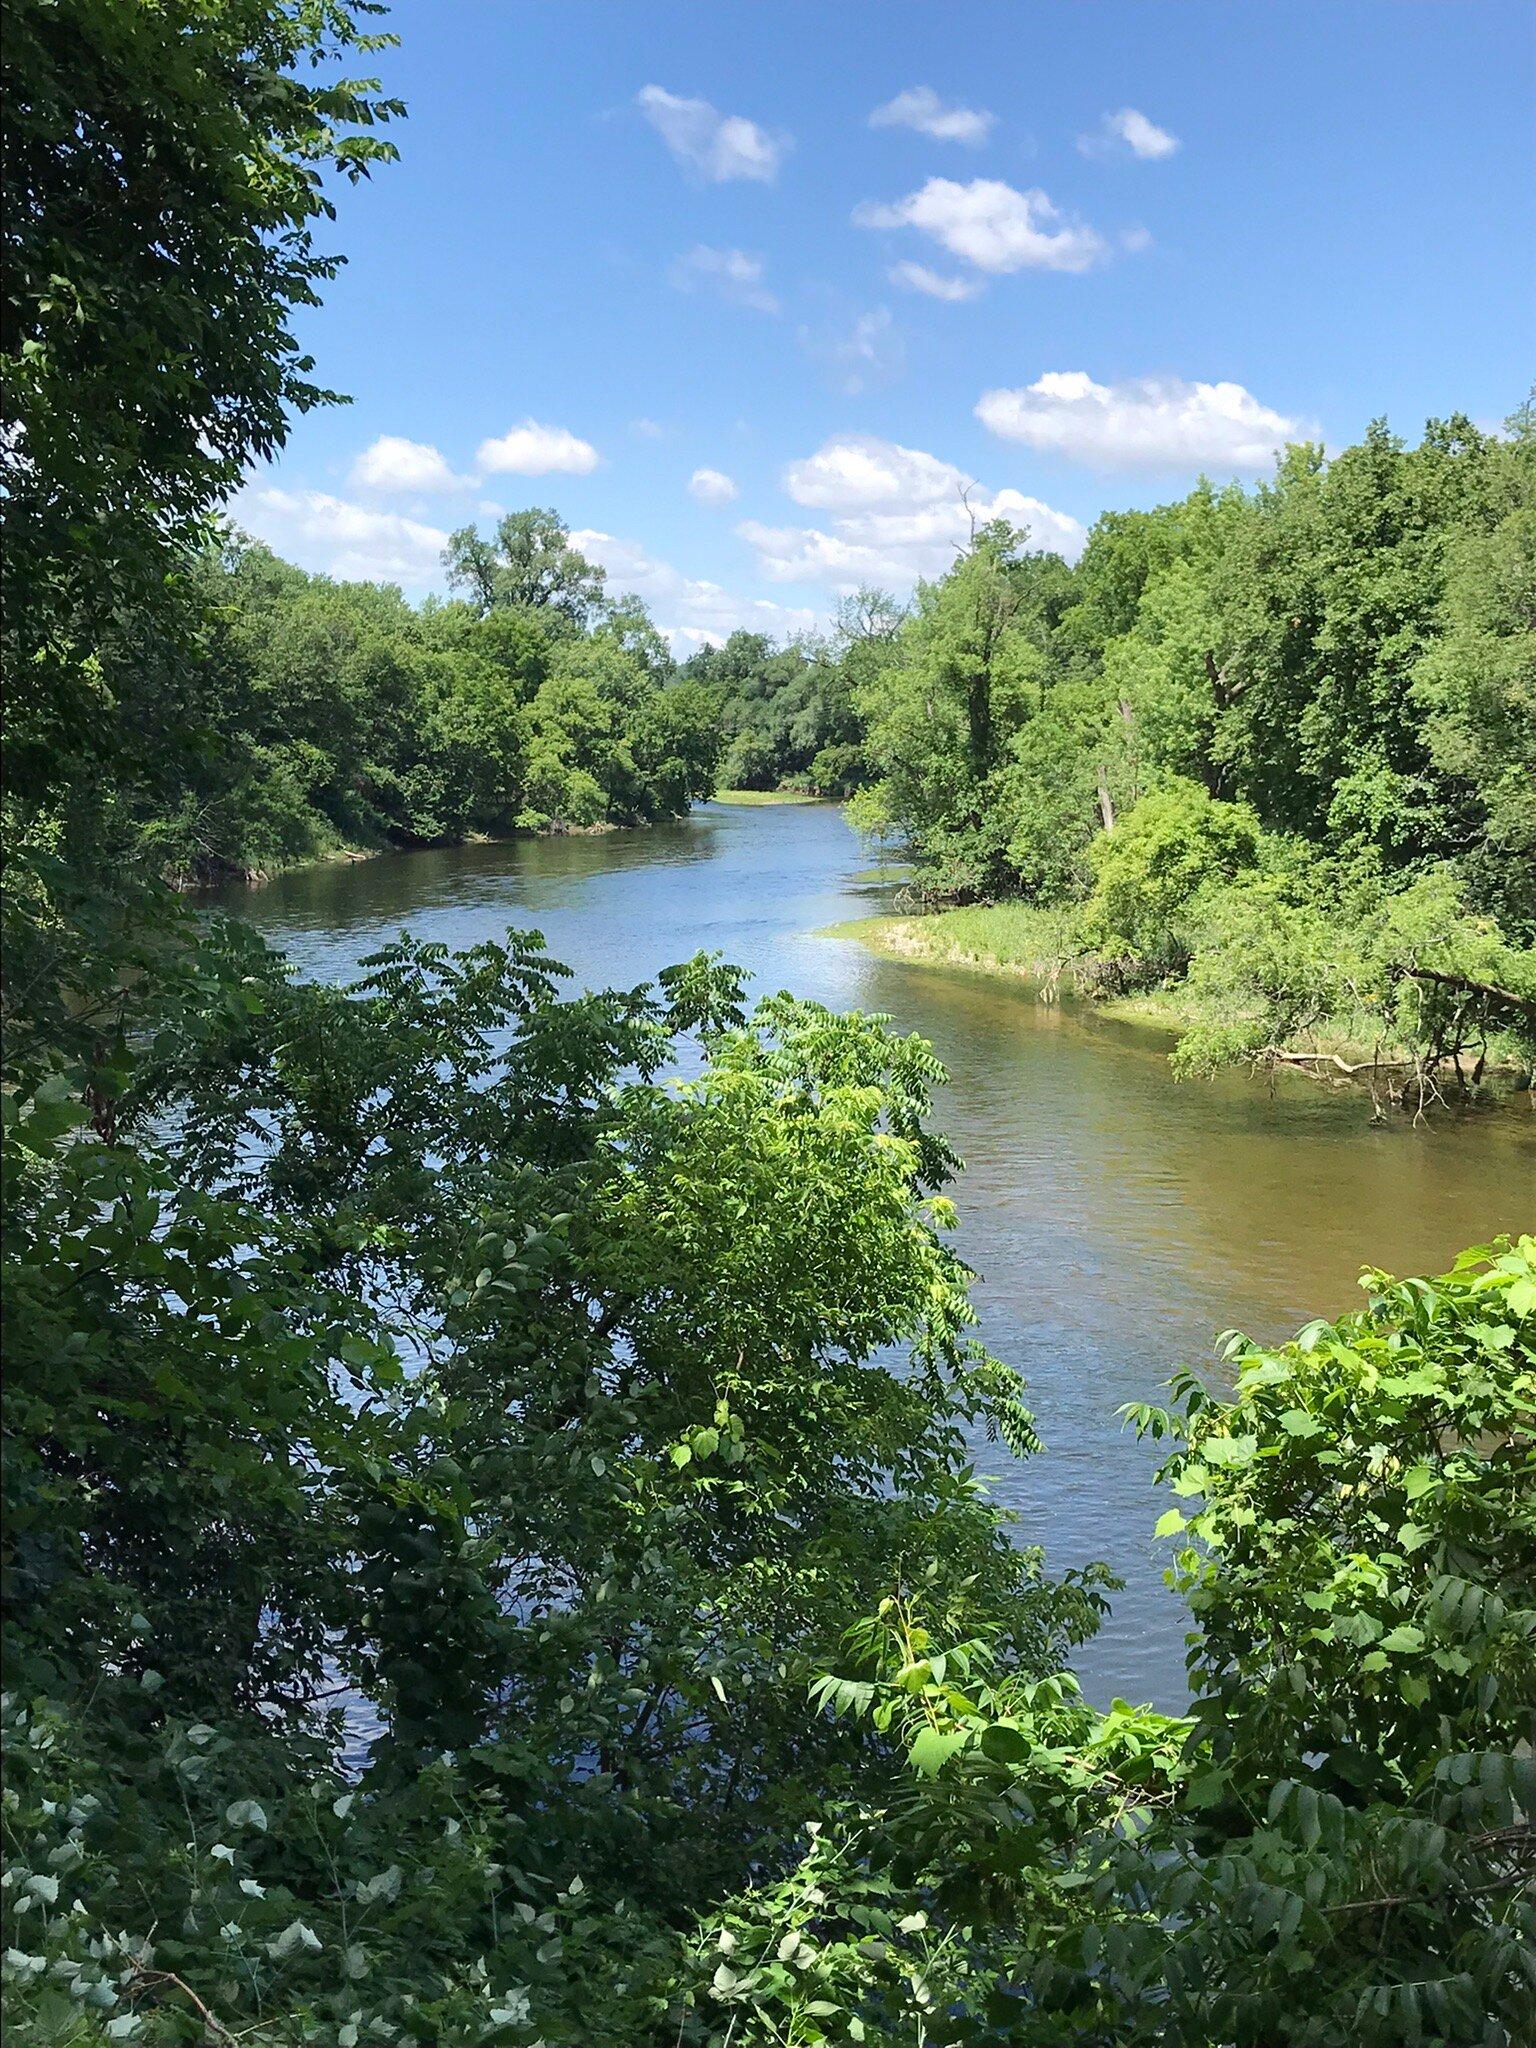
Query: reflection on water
{"x": 1117, "y": 1219}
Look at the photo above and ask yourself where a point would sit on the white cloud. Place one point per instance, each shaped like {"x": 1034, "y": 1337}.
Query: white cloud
{"x": 336, "y": 538}
{"x": 647, "y": 430}
{"x": 392, "y": 463}
{"x": 898, "y": 514}
{"x": 917, "y": 277}
{"x": 718, "y": 146}
{"x": 690, "y": 611}
{"x": 857, "y": 472}
{"x": 712, "y": 487}
{"x": 535, "y": 450}
{"x": 991, "y": 225}
{"x": 732, "y": 273}
{"x": 921, "y": 108}
{"x": 1128, "y": 132}
{"x": 1145, "y": 422}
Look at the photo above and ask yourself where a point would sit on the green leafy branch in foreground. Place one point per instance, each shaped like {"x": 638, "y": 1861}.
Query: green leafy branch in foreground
{"x": 439, "y": 1453}
{"x": 1337, "y": 1845}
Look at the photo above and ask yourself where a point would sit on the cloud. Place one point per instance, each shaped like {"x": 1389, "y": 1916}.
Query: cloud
{"x": 712, "y": 487}
{"x": 921, "y": 108}
{"x": 869, "y": 351}
{"x": 690, "y": 611}
{"x": 856, "y": 472}
{"x": 897, "y": 514}
{"x": 732, "y": 273}
{"x": 333, "y": 537}
{"x": 718, "y": 146}
{"x": 917, "y": 277}
{"x": 535, "y": 450}
{"x": 989, "y": 224}
{"x": 1128, "y": 133}
{"x": 1145, "y": 422}
{"x": 392, "y": 463}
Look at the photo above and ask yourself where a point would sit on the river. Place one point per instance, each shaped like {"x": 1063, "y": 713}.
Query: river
{"x": 1117, "y": 1219}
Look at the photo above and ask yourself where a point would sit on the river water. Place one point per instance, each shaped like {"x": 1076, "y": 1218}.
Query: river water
{"x": 1117, "y": 1219}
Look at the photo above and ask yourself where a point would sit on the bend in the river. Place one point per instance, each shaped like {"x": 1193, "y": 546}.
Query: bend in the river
{"x": 1117, "y": 1219}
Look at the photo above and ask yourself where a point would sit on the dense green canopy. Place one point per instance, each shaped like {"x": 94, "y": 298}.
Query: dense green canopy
{"x": 491, "y": 1551}
{"x": 1270, "y": 750}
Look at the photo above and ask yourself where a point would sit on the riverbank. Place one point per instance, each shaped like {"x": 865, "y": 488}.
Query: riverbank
{"x": 768, "y": 796}
{"x": 349, "y": 853}
{"x": 1013, "y": 940}
{"x": 1022, "y": 942}
{"x": 342, "y": 853}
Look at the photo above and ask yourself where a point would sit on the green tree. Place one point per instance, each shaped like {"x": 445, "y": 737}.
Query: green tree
{"x": 1477, "y": 689}
{"x": 1328, "y": 599}
{"x": 940, "y": 721}
{"x": 529, "y": 564}
{"x": 551, "y": 1412}
{"x": 1150, "y": 871}
{"x": 1335, "y": 1845}
{"x": 780, "y": 709}
{"x": 164, "y": 179}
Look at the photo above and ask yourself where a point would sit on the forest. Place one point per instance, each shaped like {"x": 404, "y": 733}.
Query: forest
{"x": 493, "y": 1550}
{"x": 1267, "y": 758}
{"x": 323, "y": 716}
{"x": 1274, "y": 751}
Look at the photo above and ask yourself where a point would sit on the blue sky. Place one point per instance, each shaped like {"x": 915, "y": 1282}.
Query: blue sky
{"x": 1084, "y": 252}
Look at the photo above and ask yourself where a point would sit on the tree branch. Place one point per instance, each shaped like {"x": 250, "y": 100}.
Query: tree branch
{"x": 1464, "y": 983}
{"x": 149, "y": 1978}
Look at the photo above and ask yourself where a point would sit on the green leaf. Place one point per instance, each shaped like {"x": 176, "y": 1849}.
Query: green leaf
{"x": 1006, "y": 1743}
{"x": 933, "y": 1747}
{"x": 1402, "y": 1640}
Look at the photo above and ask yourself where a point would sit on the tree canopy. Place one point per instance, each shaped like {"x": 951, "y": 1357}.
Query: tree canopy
{"x": 165, "y": 178}
{"x": 491, "y": 1545}
{"x": 1269, "y": 751}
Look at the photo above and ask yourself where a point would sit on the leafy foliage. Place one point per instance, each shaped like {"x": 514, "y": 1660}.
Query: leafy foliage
{"x": 1272, "y": 747}
{"x": 1149, "y": 873}
{"x": 787, "y": 718}
{"x": 165, "y": 174}
{"x": 491, "y": 1550}
{"x": 327, "y": 715}
{"x": 1338, "y": 1843}
{"x": 530, "y": 566}
{"x": 544, "y": 1416}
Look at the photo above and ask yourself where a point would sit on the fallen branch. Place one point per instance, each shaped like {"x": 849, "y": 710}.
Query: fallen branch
{"x": 1283, "y": 1057}
{"x": 1521, "y": 1838}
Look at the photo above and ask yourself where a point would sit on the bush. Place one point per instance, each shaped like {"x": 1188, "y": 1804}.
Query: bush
{"x": 1149, "y": 871}
{"x": 1333, "y": 1848}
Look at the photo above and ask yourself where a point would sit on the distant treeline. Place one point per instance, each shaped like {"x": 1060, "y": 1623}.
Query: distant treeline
{"x": 1337, "y": 664}
{"x": 310, "y": 714}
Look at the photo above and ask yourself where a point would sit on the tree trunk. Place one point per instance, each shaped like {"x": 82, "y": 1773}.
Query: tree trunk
{"x": 1106, "y": 801}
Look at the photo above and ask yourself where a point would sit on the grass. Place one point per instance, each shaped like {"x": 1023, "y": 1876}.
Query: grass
{"x": 1021, "y": 941}
{"x": 1002, "y": 938}
{"x": 766, "y": 796}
